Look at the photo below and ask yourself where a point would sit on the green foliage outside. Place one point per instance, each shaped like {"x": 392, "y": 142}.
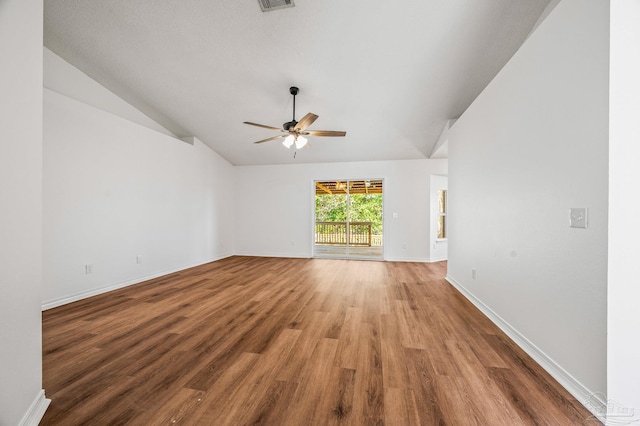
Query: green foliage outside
{"x": 364, "y": 208}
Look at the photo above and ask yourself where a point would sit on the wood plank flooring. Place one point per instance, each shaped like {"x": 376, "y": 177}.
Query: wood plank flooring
{"x": 250, "y": 340}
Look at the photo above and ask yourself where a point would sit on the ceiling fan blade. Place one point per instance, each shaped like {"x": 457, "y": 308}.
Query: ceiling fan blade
{"x": 272, "y": 138}
{"x": 262, "y": 125}
{"x": 324, "y": 133}
{"x": 306, "y": 121}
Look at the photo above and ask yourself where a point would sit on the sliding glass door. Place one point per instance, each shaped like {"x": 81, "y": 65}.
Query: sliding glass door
{"x": 348, "y": 219}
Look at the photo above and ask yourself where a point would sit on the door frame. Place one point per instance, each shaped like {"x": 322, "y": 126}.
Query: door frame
{"x": 313, "y": 218}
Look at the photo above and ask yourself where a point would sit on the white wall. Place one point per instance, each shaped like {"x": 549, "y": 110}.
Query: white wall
{"x": 64, "y": 78}
{"x": 624, "y": 232}
{"x": 274, "y": 206}
{"x": 21, "y": 396}
{"x": 437, "y": 247}
{"x": 531, "y": 146}
{"x": 115, "y": 190}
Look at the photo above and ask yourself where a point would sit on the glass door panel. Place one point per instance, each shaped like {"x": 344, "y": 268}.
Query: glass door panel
{"x": 349, "y": 219}
{"x": 331, "y": 219}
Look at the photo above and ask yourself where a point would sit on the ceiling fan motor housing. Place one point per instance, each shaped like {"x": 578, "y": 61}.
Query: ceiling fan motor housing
{"x": 289, "y": 125}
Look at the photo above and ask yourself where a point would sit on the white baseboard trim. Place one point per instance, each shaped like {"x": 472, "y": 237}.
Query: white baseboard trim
{"x": 309, "y": 255}
{"x": 36, "y": 411}
{"x": 79, "y": 296}
{"x": 408, "y": 259}
{"x": 281, "y": 255}
{"x": 593, "y": 401}
{"x": 417, "y": 259}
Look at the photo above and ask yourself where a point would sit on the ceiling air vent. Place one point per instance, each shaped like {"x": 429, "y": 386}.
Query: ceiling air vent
{"x": 267, "y": 5}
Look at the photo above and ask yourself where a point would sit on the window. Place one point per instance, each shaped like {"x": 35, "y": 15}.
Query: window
{"x": 442, "y": 213}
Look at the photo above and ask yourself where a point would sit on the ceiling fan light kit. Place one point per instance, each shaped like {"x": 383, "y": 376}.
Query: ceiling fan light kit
{"x": 293, "y": 131}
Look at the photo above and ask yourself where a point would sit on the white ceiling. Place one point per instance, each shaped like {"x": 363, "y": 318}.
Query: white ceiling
{"x": 390, "y": 74}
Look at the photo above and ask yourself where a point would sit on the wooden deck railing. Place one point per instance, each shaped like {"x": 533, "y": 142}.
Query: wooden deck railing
{"x": 335, "y": 233}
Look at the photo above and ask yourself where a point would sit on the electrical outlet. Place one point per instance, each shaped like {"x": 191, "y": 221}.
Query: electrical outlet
{"x": 138, "y": 259}
{"x": 473, "y": 274}
{"x": 88, "y": 269}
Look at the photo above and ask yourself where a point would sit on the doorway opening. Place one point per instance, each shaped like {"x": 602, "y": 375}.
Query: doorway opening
{"x": 348, "y": 219}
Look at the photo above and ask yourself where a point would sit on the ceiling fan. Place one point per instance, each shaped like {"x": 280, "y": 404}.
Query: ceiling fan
{"x": 293, "y": 131}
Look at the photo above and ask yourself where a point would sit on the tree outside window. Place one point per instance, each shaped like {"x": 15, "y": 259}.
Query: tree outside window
{"x": 442, "y": 213}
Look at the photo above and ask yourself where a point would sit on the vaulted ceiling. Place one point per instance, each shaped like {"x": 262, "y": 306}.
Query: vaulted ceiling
{"x": 389, "y": 74}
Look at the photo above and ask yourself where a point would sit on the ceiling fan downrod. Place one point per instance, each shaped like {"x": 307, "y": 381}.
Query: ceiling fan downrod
{"x": 291, "y": 124}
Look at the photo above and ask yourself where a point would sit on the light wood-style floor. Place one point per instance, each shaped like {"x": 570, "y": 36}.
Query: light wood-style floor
{"x": 250, "y": 340}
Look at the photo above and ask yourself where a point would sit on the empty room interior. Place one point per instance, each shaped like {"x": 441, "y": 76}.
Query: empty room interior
{"x": 441, "y": 232}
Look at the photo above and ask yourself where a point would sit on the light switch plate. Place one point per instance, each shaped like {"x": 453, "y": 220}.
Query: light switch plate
{"x": 578, "y": 217}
